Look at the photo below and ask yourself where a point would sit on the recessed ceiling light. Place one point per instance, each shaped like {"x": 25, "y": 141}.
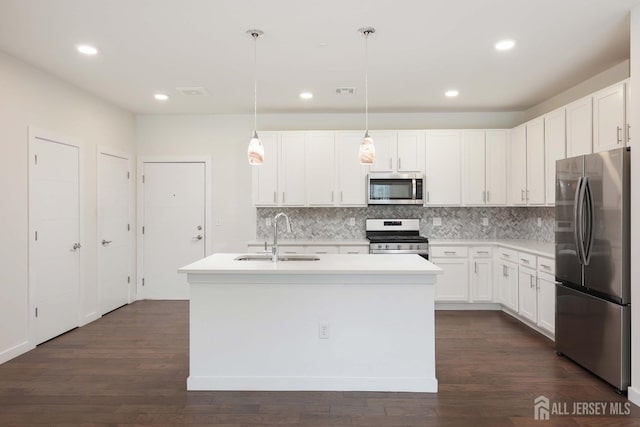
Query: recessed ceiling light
{"x": 451, "y": 93}
{"x": 306, "y": 95}
{"x": 86, "y": 49}
{"x": 505, "y": 44}
{"x": 161, "y": 96}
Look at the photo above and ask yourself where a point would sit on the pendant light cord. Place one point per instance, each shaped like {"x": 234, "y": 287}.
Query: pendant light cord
{"x": 255, "y": 83}
{"x": 366, "y": 82}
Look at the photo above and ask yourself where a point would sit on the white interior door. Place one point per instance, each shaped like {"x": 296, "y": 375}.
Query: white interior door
{"x": 174, "y": 226}
{"x": 54, "y": 225}
{"x": 114, "y": 235}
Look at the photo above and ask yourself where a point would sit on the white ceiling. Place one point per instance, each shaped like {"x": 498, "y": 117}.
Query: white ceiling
{"x": 420, "y": 49}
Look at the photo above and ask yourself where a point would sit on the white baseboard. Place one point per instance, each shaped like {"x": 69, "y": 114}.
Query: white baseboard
{"x": 468, "y": 306}
{"x": 15, "y": 351}
{"x": 91, "y": 317}
{"x": 634, "y": 395}
{"x": 418, "y": 384}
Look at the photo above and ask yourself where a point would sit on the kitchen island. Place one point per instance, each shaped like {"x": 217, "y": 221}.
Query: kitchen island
{"x": 341, "y": 322}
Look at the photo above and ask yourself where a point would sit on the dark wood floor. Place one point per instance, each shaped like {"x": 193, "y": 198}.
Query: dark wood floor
{"x": 130, "y": 368}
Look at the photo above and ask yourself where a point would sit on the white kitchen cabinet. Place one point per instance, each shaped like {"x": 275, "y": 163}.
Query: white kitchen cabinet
{"x": 496, "y": 166}
{"x": 321, "y": 249}
{"x": 354, "y": 249}
{"x": 481, "y": 274}
{"x": 579, "y": 127}
{"x": 386, "y": 151}
{"x": 443, "y": 171}
{"x": 351, "y": 176}
{"x": 609, "y": 118}
{"x": 554, "y": 149}
{"x": 527, "y": 294}
{"x": 519, "y": 165}
{"x": 474, "y": 167}
{"x": 507, "y": 284}
{"x": 320, "y": 168}
{"x": 292, "y": 170}
{"x": 265, "y": 176}
{"x": 535, "y": 162}
{"x": 410, "y": 150}
{"x": 453, "y": 283}
{"x": 546, "y": 301}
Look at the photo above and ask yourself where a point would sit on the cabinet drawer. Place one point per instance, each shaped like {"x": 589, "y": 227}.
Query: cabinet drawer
{"x": 322, "y": 249}
{"x": 448, "y": 252}
{"x": 481, "y": 252}
{"x": 527, "y": 260}
{"x": 546, "y": 265}
{"x": 362, "y": 249}
{"x": 508, "y": 254}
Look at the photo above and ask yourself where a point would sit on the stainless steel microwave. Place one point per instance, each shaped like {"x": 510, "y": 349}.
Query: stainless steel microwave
{"x": 395, "y": 189}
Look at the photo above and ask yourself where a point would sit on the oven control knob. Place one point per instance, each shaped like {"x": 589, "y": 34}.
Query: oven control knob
{"x": 386, "y": 246}
{"x": 410, "y": 247}
{"x": 398, "y": 247}
{"x": 379, "y": 246}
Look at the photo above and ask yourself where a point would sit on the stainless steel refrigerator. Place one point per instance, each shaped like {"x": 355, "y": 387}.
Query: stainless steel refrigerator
{"x": 592, "y": 243}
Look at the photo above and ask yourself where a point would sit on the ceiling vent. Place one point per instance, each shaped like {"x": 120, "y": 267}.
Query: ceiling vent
{"x": 193, "y": 91}
{"x": 348, "y": 91}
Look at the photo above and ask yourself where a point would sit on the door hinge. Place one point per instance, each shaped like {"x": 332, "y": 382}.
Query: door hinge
{"x": 128, "y": 175}
{"x": 36, "y": 236}
{"x": 143, "y": 179}
{"x": 36, "y": 311}
{"x": 143, "y": 281}
{"x": 128, "y": 227}
{"x": 128, "y": 279}
{"x": 36, "y": 159}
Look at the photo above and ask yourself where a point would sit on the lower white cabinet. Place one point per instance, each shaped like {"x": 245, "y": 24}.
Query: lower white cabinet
{"x": 507, "y": 281}
{"x": 527, "y": 294}
{"x": 547, "y": 301}
{"x": 453, "y": 284}
{"x": 481, "y": 274}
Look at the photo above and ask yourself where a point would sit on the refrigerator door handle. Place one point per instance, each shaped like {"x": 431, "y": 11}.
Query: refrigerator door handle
{"x": 577, "y": 216}
{"x": 590, "y": 235}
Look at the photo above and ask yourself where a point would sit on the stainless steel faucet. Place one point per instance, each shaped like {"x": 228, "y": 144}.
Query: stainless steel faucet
{"x": 274, "y": 248}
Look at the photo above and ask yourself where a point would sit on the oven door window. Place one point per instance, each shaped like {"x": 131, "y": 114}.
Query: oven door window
{"x": 391, "y": 189}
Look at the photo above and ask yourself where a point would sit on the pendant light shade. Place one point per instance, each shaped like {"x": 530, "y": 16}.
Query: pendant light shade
{"x": 255, "y": 151}
{"x": 367, "y": 151}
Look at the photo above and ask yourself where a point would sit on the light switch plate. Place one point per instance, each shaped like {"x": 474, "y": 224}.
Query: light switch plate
{"x": 267, "y": 222}
{"x": 352, "y": 221}
{"x": 437, "y": 221}
{"x": 485, "y": 221}
{"x": 539, "y": 222}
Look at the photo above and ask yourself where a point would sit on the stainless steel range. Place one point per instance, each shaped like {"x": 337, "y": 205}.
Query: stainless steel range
{"x": 396, "y": 236}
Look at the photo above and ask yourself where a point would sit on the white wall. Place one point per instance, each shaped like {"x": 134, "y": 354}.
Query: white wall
{"x": 225, "y": 139}
{"x": 30, "y": 97}
{"x": 634, "y": 120}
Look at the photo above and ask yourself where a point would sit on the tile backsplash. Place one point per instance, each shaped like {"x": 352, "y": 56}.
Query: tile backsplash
{"x": 457, "y": 222}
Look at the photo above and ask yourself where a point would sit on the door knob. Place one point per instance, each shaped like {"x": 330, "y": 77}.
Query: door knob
{"x": 105, "y": 242}
{"x": 198, "y": 237}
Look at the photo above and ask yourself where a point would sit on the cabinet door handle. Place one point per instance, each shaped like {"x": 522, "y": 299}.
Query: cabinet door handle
{"x": 450, "y": 252}
{"x": 526, "y": 261}
{"x": 522, "y": 195}
{"x": 488, "y": 198}
{"x": 532, "y": 284}
{"x": 628, "y": 132}
{"x": 274, "y": 197}
{"x": 283, "y": 197}
{"x": 506, "y": 255}
{"x": 484, "y": 196}
{"x": 390, "y": 163}
{"x": 475, "y": 267}
{"x": 548, "y": 267}
{"x": 332, "y": 197}
{"x": 619, "y": 134}
{"x": 399, "y": 163}
{"x": 483, "y": 252}
{"x": 527, "y": 195}
{"x": 427, "y": 197}
{"x": 538, "y": 284}
{"x": 341, "y": 197}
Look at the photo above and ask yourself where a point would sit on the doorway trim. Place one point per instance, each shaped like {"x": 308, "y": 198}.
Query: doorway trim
{"x": 35, "y": 133}
{"x": 104, "y": 150}
{"x": 208, "y": 213}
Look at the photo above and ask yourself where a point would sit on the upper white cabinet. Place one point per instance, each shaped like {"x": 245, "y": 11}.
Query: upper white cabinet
{"x": 320, "y": 168}
{"x": 609, "y": 118}
{"x": 519, "y": 165}
{"x": 535, "y": 162}
{"x": 351, "y": 175}
{"x": 410, "y": 151}
{"x": 292, "y": 169}
{"x": 401, "y": 151}
{"x": 579, "y": 124}
{"x": 496, "y": 166}
{"x": 443, "y": 171}
{"x": 554, "y": 149}
{"x": 265, "y": 176}
{"x": 474, "y": 168}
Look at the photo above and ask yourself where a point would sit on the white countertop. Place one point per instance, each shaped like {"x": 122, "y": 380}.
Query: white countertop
{"x": 382, "y": 264}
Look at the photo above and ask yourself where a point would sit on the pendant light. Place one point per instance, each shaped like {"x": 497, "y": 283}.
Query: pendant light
{"x": 255, "y": 152}
{"x": 367, "y": 151}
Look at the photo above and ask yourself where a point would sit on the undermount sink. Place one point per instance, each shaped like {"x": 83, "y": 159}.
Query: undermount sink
{"x": 252, "y": 257}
